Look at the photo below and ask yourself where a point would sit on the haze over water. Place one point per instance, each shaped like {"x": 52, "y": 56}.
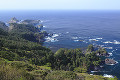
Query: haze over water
{"x": 77, "y": 29}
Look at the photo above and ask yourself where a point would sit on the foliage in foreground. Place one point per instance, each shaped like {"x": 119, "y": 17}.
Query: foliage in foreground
{"x": 8, "y": 72}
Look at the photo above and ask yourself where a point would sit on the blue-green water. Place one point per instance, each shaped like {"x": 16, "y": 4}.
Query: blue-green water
{"x": 76, "y": 29}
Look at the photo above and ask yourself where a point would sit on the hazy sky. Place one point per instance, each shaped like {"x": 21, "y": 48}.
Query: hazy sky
{"x": 60, "y": 4}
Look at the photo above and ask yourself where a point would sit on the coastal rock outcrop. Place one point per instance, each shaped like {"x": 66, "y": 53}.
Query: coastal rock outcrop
{"x": 13, "y": 20}
{"x": 110, "y": 61}
{"x": 102, "y": 52}
{"x": 28, "y": 32}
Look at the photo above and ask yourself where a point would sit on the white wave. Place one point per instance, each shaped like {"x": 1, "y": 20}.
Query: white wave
{"x": 107, "y": 42}
{"x": 101, "y": 45}
{"x": 48, "y": 39}
{"x": 80, "y": 37}
{"x": 94, "y": 71}
{"x": 44, "y": 26}
{"x": 110, "y": 54}
{"x": 99, "y": 38}
{"x": 109, "y": 76}
{"x": 86, "y": 37}
{"x": 74, "y": 37}
{"x": 41, "y": 21}
{"x": 116, "y": 62}
{"x": 116, "y": 42}
{"x": 108, "y": 47}
{"x": 93, "y": 40}
{"x": 55, "y": 35}
{"x": 113, "y": 50}
{"x": 67, "y": 32}
{"x": 7, "y": 24}
{"x": 85, "y": 42}
{"x": 76, "y": 40}
{"x": 54, "y": 40}
{"x": 51, "y": 39}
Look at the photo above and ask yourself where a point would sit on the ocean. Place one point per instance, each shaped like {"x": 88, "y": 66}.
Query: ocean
{"x": 78, "y": 29}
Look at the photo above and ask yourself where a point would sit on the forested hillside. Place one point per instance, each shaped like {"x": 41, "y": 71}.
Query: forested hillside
{"x": 22, "y": 57}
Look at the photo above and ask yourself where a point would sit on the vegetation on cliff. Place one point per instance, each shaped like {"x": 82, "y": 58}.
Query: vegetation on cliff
{"x": 22, "y": 57}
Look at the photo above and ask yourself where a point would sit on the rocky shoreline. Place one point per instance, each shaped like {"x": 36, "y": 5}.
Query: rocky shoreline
{"x": 100, "y": 52}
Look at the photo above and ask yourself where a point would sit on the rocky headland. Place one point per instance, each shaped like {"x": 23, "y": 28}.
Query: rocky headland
{"x": 13, "y": 20}
{"x": 31, "y": 30}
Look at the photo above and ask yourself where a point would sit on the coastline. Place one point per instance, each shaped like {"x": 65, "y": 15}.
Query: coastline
{"x": 96, "y": 41}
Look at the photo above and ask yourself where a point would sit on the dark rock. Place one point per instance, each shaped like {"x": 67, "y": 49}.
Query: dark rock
{"x": 50, "y": 34}
{"x": 110, "y": 61}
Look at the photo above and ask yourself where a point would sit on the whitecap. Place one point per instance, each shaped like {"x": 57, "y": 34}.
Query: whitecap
{"x": 48, "y": 39}
{"x": 107, "y": 42}
{"x": 99, "y": 38}
{"x": 7, "y": 24}
{"x": 116, "y": 62}
{"x": 85, "y": 42}
{"x": 67, "y": 32}
{"x": 109, "y": 76}
{"x": 101, "y": 46}
{"x": 44, "y": 26}
{"x": 116, "y": 42}
{"x": 76, "y": 40}
{"x": 80, "y": 37}
{"x": 74, "y": 37}
{"x": 94, "y": 71}
{"x": 113, "y": 50}
{"x": 91, "y": 74}
{"x": 41, "y": 21}
{"x": 86, "y": 37}
{"x": 93, "y": 40}
{"x": 54, "y": 40}
{"x": 51, "y": 39}
{"x": 108, "y": 47}
{"x": 55, "y": 35}
{"x": 110, "y": 54}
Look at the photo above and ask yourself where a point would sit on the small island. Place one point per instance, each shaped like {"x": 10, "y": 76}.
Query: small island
{"x": 110, "y": 61}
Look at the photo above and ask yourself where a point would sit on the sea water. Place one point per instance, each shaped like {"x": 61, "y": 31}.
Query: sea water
{"x": 78, "y": 29}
